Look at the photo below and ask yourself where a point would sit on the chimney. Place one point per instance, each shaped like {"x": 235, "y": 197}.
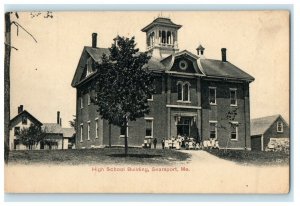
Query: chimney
{"x": 59, "y": 121}
{"x": 20, "y": 109}
{"x": 223, "y": 51}
{"x": 58, "y": 117}
{"x": 94, "y": 40}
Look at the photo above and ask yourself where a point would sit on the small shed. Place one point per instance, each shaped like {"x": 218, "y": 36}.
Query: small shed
{"x": 269, "y": 130}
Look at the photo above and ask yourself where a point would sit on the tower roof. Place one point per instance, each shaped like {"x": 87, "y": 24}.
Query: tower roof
{"x": 200, "y": 47}
{"x": 161, "y": 21}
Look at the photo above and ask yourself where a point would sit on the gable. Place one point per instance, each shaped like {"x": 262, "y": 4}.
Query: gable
{"x": 186, "y": 62}
{"x": 88, "y": 56}
{"x": 18, "y": 119}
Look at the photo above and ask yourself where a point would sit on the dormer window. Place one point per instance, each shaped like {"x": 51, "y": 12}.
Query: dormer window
{"x": 183, "y": 65}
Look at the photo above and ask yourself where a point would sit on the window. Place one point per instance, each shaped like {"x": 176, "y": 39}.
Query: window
{"x": 179, "y": 91}
{"x": 213, "y": 130}
{"x": 81, "y": 101}
{"x": 186, "y": 92}
{"x": 89, "y": 65}
{"x": 279, "y": 127}
{"x": 97, "y": 128}
{"x": 234, "y": 130}
{"x": 233, "y": 99}
{"x": 24, "y": 120}
{"x": 149, "y": 128}
{"x": 81, "y": 132}
{"x": 183, "y": 65}
{"x": 89, "y": 98}
{"x": 183, "y": 91}
{"x": 123, "y": 131}
{"x": 17, "y": 131}
{"x": 89, "y": 130}
{"x": 150, "y": 97}
{"x": 212, "y": 95}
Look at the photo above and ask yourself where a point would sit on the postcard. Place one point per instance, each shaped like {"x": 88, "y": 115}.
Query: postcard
{"x": 147, "y": 102}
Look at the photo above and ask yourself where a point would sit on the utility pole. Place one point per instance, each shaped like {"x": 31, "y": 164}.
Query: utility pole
{"x": 7, "y": 84}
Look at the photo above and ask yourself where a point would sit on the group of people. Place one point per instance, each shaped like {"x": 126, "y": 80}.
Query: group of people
{"x": 184, "y": 142}
{"x": 178, "y": 142}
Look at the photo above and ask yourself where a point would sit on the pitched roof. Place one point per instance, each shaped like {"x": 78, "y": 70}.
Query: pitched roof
{"x": 30, "y": 116}
{"x": 218, "y": 68}
{"x": 200, "y": 47}
{"x": 52, "y": 128}
{"x": 260, "y": 125}
{"x": 68, "y": 132}
{"x": 209, "y": 67}
{"x": 162, "y": 21}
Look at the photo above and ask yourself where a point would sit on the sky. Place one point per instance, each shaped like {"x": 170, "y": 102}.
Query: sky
{"x": 41, "y": 73}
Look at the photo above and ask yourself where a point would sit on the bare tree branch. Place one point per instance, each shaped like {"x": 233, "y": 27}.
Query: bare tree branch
{"x": 11, "y": 46}
{"x": 18, "y": 25}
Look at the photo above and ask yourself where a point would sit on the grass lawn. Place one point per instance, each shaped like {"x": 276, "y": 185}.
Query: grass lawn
{"x": 97, "y": 156}
{"x": 253, "y": 157}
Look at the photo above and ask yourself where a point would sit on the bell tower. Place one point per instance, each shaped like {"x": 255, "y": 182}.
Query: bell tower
{"x": 162, "y": 37}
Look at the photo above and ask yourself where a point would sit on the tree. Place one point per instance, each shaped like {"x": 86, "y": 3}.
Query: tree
{"x": 31, "y": 136}
{"x": 123, "y": 84}
{"x": 73, "y": 122}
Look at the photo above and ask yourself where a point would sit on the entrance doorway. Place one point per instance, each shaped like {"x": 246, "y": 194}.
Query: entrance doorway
{"x": 184, "y": 126}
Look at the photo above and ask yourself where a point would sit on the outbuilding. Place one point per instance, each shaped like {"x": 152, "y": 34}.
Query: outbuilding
{"x": 269, "y": 132}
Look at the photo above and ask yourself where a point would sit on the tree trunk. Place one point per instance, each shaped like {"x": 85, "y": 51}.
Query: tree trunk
{"x": 126, "y": 138}
{"x": 7, "y": 85}
{"x": 109, "y": 135}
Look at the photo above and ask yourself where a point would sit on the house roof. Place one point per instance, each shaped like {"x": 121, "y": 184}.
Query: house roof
{"x": 162, "y": 21}
{"x": 52, "y": 128}
{"x": 218, "y": 68}
{"x": 24, "y": 112}
{"x": 260, "y": 125}
{"x": 68, "y": 132}
{"x": 209, "y": 67}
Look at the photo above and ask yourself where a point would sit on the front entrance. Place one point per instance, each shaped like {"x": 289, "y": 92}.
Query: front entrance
{"x": 184, "y": 126}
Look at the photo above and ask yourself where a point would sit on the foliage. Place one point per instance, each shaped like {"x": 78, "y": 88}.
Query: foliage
{"x": 123, "y": 84}
{"x": 73, "y": 122}
{"x": 31, "y": 136}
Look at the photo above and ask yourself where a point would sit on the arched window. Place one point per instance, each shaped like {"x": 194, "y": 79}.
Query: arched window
{"x": 179, "y": 91}
{"x": 186, "y": 91}
{"x": 168, "y": 37}
{"x": 183, "y": 91}
{"x": 152, "y": 39}
{"x": 163, "y": 39}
